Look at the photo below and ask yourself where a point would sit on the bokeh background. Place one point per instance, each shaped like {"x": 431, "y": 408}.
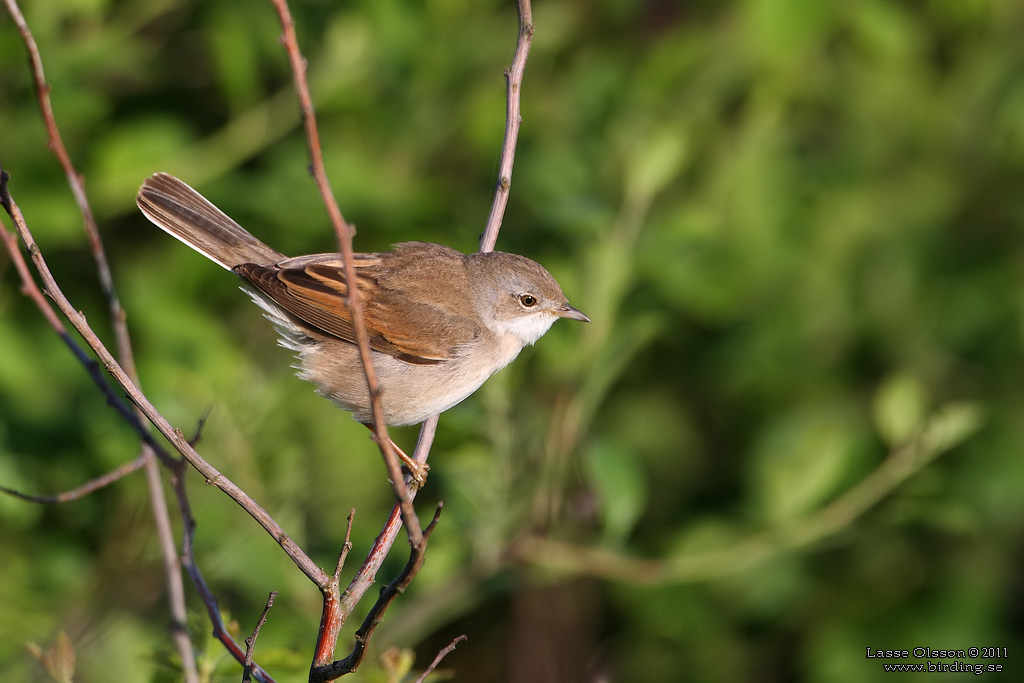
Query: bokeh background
{"x": 793, "y": 431}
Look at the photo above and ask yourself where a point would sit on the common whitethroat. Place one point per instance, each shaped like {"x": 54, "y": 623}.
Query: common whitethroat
{"x": 440, "y": 322}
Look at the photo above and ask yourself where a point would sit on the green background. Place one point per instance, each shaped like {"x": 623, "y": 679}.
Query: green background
{"x": 796, "y": 225}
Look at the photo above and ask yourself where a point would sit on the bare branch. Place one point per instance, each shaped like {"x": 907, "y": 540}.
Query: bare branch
{"x": 364, "y": 578}
{"x": 448, "y": 649}
{"x": 339, "y": 605}
{"x": 344, "y": 234}
{"x": 177, "y": 439}
{"x": 88, "y": 487}
{"x": 376, "y": 614}
{"x": 250, "y": 642}
{"x": 28, "y": 285}
{"x": 158, "y": 502}
{"x": 513, "y": 118}
{"x": 346, "y": 547}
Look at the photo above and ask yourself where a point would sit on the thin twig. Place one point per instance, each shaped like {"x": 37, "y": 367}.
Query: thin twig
{"x": 220, "y": 630}
{"x": 346, "y": 546}
{"x": 28, "y": 285}
{"x": 200, "y": 426}
{"x": 440, "y": 655}
{"x": 513, "y": 119}
{"x": 75, "y": 182}
{"x": 331, "y": 616}
{"x": 86, "y": 488}
{"x": 250, "y": 642}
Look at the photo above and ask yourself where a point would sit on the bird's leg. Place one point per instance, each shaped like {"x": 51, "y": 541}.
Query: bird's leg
{"x": 418, "y": 470}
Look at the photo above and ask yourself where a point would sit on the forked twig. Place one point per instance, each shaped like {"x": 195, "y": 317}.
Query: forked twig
{"x": 388, "y": 593}
{"x": 333, "y": 616}
{"x": 334, "y": 606}
{"x": 339, "y": 605}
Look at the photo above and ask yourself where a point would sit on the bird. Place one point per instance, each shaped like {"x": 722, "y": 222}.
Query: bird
{"x": 440, "y": 322}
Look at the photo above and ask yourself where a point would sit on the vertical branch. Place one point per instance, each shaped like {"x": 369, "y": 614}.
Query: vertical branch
{"x": 334, "y": 615}
{"x": 513, "y": 119}
{"x": 158, "y": 501}
{"x": 344, "y": 234}
{"x": 342, "y": 230}
{"x": 220, "y": 629}
{"x": 250, "y": 642}
{"x": 341, "y": 606}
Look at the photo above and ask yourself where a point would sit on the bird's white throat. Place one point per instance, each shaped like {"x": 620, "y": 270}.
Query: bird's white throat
{"x": 526, "y": 328}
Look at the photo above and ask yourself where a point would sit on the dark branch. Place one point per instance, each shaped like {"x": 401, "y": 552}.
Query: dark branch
{"x": 448, "y": 649}
{"x": 250, "y": 642}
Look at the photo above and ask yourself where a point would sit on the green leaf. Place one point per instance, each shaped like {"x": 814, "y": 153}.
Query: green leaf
{"x": 618, "y": 480}
{"x": 801, "y": 459}
{"x": 651, "y": 165}
{"x": 899, "y": 409}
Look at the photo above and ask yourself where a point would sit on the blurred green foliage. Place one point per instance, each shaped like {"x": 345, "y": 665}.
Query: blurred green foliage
{"x": 797, "y": 226}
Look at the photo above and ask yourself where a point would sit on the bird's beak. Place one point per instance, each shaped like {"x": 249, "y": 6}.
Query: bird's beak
{"x": 571, "y": 313}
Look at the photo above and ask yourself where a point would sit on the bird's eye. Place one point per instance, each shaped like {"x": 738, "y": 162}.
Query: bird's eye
{"x": 528, "y": 300}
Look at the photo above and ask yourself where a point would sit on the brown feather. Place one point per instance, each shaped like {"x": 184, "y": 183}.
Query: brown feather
{"x": 187, "y": 215}
{"x": 313, "y": 289}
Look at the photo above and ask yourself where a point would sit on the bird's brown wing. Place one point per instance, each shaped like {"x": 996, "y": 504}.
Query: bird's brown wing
{"x": 314, "y": 289}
